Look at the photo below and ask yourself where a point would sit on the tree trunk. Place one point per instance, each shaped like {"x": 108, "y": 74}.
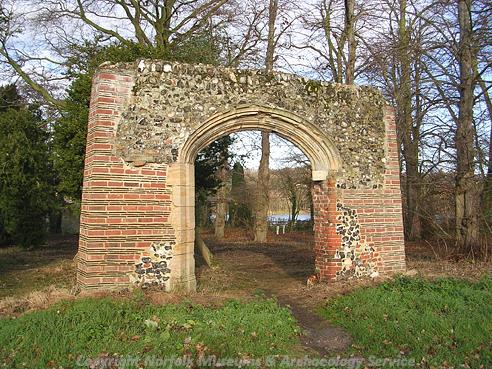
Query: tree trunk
{"x": 294, "y": 210}
{"x": 270, "y": 52}
{"x": 350, "y": 32}
{"x": 221, "y": 205}
{"x": 410, "y": 136}
{"x": 262, "y": 195}
{"x": 467, "y": 227}
{"x": 487, "y": 189}
{"x": 414, "y": 175}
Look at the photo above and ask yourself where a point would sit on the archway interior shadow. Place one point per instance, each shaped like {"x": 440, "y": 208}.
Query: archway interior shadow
{"x": 284, "y": 259}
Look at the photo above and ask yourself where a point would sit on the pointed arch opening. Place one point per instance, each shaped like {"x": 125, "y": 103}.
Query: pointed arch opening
{"x": 319, "y": 149}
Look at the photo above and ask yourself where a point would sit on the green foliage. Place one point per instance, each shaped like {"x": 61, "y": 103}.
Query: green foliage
{"x": 86, "y": 58}
{"x": 207, "y": 164}
{"x": 89, "y": 328}
{"x": 237, "y": 175}
{"x": 433, "y": 322}
{"x": 9, "y": 98}
{"x": 209, "y": 161}
{"x": 69, "y": 138}
{"x": 202, "y": 215}
{"x": 25, "y": 193}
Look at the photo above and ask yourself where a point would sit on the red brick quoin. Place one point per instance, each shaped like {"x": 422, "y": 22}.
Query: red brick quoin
{"x": 137, "y": 213}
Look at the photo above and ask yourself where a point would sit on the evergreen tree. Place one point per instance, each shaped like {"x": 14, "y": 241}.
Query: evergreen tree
{"x": 240, "y": 206}
{"x": 209, "y": 160}
{"x": 69, "y": 139}
{"x": 9, "y": 98}
{"x": 24, "y": 171}
{"x": 207, "y": 164}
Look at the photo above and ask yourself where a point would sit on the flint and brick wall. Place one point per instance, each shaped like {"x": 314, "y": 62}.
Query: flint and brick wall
{"x": 380, "y": 210}
{"x": 137, "y": 215}
{"x": 124, "y": 208}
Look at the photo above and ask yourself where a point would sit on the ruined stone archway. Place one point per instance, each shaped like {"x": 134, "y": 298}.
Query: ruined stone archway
{"x": 321, "y": 152}
{"x": 148, "y": 121}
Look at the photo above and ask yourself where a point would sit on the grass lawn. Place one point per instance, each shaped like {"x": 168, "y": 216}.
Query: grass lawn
{"x": 23, "y": 270}
{"x": 445, "y": 323}
{"x": 69, "y": 332}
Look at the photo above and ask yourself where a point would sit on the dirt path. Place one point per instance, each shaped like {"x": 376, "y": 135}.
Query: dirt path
{"x": 318, "y": 334}
{"x": 280, "y": 270}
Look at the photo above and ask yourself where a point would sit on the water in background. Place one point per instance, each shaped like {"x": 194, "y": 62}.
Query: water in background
{"x": 285, "y": 218}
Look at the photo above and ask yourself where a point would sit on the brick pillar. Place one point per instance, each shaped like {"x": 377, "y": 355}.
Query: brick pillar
{"x": 379, "y": 210}
{"x": 326, "y": 239}
{"x": 391, "y": 207}
{"x": 125, "y": 207}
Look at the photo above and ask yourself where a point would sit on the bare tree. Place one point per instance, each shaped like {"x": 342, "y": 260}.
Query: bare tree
{"x": 487, "y": 189}
{"x": 262, "y": 197}
{"x": 409, "y": 109}
{"x": 294, "y": 185}
{"x": 452, "y": 64}
{"x": 332, "y": 37}
{"x": 157, "y": 23}
{"x": 483, "y": 26}
{"x": 221, "y": 201}
{"x": 467, "y": 226}
{"x": 17, "y": 59}
{"x": 263, "y": 187}
{"x": 349, "y": 30}
{"x": 58, "y": 27}
{"x": 242, "y": 37}
{"x": 416, "y": 59}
